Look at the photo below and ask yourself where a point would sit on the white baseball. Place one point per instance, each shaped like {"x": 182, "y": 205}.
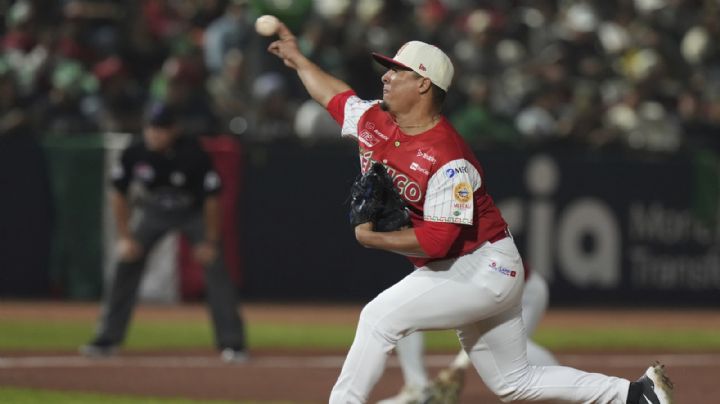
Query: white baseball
{"x": 267, "y": 25}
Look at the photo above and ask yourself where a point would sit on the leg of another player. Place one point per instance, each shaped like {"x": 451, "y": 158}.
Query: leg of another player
{"x": 410, "y": 355}
{"x": 536, "y": 297}
{"x": 228, "y": 327}
{"x": 121, "y": 298}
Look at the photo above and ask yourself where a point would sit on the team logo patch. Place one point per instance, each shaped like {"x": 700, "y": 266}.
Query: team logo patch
{"x": 144, "y": 171}
{"x": 177, "y": 178}
{"x": 462, "y": 192}
{"x": 501, "y": 269}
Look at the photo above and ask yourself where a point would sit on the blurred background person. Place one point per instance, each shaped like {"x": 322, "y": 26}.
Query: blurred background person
{"x": 177, "y": 190}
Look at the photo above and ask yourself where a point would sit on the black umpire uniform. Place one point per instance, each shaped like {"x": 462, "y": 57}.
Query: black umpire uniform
{"x": 175, "y": 185}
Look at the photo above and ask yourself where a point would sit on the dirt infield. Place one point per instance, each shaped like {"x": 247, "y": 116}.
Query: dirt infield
{"x": 306, "y": 377}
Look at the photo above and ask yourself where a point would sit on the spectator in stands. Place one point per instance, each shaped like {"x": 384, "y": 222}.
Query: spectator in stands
{"x": 232, "y": 30}
{"x": 478, "y": 123}
{"x": 595, "y": 47}
{"x": 274, "y": 111}
{"x": 540, "y": 119}
{"x": 15, "y": 118}
{"x": 120, "y": 97}
{"x": 145, "y": 51}
{"x": 181, "y": 84}
{"x": 229, "y": 91}
{"x": 72, "y": 102}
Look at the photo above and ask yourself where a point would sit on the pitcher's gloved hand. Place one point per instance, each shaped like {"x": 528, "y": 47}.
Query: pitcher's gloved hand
{"x": 373, "y": 198}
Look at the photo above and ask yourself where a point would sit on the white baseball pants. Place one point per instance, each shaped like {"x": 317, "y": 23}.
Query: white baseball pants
{"x": 535, "y": 299}
{"x": 477, "y": 295}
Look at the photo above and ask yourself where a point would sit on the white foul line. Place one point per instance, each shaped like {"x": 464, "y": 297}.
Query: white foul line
{"x": 336, "y": 361}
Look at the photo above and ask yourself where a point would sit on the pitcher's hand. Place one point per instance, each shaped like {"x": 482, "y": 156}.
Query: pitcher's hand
{"x": 286, "y": 47}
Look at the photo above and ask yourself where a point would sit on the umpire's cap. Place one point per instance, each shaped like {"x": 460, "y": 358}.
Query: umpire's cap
{"x": 161, "y": 115}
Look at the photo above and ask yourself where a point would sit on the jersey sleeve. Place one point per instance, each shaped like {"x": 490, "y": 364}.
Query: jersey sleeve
{"x": 436, "y": 238}
{"x": 449, "y": 197}
{"x": 347, "y": 108}
{"x": 211, "y": 183}
{"x": 121, "y": 173}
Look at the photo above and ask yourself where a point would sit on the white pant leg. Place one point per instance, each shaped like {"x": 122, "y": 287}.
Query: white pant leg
{"x": 537, "y": 355}
{"x": 410, "y": 355}
{"x": 497, "y": 349}
{"x": 535, "y": 300}
{"x": 534, "y": 304}
{"x": 443, "y": 295}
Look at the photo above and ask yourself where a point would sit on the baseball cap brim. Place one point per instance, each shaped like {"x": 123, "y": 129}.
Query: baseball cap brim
{"x": 389, "y": 62}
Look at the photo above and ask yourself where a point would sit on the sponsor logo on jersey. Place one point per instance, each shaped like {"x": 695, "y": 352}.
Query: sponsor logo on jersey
{"x": 416, "y": 167}
{"x": 369, "y": 125}
{"x": 426, "y": 156}
{"x": 462, "y": 192}
{"x": 144, "y": 171}
{"x": 450, "y": 172}
{"x": 501, "y": 269}
{"x": 408, "y": 189}
{"x": 380, "y": 134}
{"x": 368, "y": 139}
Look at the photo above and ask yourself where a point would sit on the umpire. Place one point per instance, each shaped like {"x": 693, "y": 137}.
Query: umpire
{"x": 177, "y": 189}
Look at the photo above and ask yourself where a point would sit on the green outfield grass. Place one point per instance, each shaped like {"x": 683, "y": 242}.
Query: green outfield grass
{"x": 27, "y": 396}
{"x": 55, "y": 335}
{"x": 19, "y": 335}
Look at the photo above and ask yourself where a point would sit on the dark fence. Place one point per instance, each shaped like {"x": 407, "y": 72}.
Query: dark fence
{"x": 603, "y": 228}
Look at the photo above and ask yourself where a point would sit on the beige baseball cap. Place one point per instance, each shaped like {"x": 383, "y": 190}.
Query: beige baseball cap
{"x": 424, "y": 59}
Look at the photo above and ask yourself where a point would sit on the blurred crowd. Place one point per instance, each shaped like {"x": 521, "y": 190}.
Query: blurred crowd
{"x": 629, "y": 74}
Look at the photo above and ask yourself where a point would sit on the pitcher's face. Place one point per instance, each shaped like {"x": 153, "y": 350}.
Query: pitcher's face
{"x": 401, "y": 89}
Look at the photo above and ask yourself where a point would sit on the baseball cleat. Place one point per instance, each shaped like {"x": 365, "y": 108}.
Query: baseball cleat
{"x": 656, "y": 386}
{"x": 99, "y": 348}
{"x": 447, "y": 386}
{"x": 232, "y": 355}
{"x": 408, "y": 395}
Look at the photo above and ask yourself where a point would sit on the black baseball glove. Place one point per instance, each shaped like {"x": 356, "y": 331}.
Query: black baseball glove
{"x": 373, "y": 198}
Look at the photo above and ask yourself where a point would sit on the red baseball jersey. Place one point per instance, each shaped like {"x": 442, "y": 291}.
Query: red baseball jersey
{"x": 435, "y": 172}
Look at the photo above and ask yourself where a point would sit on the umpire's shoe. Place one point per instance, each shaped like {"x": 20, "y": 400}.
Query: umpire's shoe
{"x": 654, "y": 387}
{"x": 234, "y": 355}
{"x": 99, "y": 348}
